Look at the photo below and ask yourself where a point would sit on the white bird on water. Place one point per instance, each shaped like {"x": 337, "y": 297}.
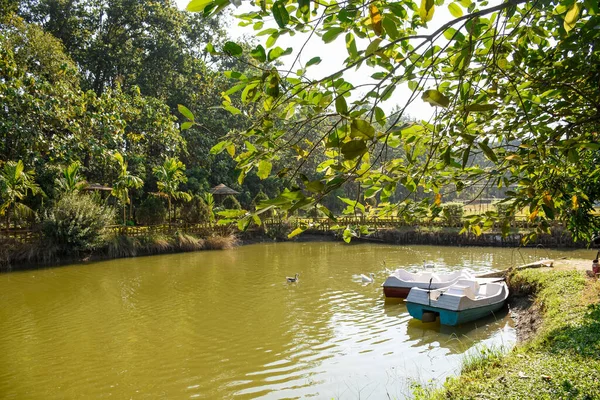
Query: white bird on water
{"x": 367, "y": 279}
{"x": 292, "y": 279}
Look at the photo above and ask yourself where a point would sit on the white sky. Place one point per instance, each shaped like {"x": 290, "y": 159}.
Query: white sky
{"x": 333, "y": 56}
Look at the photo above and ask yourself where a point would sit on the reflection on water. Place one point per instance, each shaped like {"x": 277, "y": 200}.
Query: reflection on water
{"x": 225, "y": 324}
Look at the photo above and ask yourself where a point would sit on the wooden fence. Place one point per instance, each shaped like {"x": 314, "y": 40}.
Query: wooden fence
{"x": 318, "y": 224}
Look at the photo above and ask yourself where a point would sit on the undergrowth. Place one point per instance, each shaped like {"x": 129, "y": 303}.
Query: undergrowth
{"x": 562, "y": 360}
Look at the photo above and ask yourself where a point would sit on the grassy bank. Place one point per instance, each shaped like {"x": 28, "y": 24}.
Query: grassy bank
{"x": 560, "y": 361}
{"x": 16, "y": 255}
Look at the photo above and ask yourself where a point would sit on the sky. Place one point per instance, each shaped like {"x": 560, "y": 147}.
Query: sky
{"x": 333, "y": 56}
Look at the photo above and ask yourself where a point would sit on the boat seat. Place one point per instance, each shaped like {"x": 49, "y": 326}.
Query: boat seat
{"x": 464, "y": 287}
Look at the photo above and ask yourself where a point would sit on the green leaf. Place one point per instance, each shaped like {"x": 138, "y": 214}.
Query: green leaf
{"x": 481, "y": 107}
{"x": 455, "y": 10}
{"x": 435, "y": 98}
{"x": 278, "y": 52}
{"x": 296, "y": 232}
{"x": 426, "y": 10}
{"x": 304, "y": 9}
{"x": 264, "y": 169}
{"x": 571, "y": 17}
{"x": 198, "y": 5}
{"x": 315, "y": 186}
{"x": 233, "y": 49}
{"x": 354, "y": 149}
{"x": 280, "y": 13}
{"x": 390, "y": 28}
{"x": 351, "y": 45}
{"x": 361, "y": 129}
{"x": 232, "y": 110}
{"x": 332, "y": 34}
{"x": 372, "y": 47}
{"x": 488, "y": 151}
{"x": 185, "y": 111}
{"x": 259, "y": 53}
{"x": 340, "y": 105}
{"x": 219, "y": 147}
{"x": 186, "y": 125}
{"x": 313, "y": 61}
{"x": 548, "y": 211}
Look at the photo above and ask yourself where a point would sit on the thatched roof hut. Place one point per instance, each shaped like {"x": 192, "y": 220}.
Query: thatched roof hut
{"x": 222, "y": 190}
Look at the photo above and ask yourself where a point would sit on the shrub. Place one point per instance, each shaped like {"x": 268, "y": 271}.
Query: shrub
{"x": 453, "y": 213}
{"x": 231, "y": 203}
{"x": 76, "y": 223}
{"x": 195, "y": 211}
{"x": 152, "y": 211}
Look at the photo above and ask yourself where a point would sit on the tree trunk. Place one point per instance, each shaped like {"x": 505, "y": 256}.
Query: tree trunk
{"x": 124, "y": 215}
{"x": 169, "y": 210}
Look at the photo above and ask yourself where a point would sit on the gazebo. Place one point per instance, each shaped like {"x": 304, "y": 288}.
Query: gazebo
{"x": 220, "y": 191}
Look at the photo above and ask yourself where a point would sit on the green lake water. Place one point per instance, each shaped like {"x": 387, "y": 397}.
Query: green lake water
{"x": 225, "y": 324}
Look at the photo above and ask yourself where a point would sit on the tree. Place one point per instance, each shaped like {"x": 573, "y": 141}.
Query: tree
{"x": 16, "y": 184}
{"x": 513, "y": 83}
{"x": 170, "y": 175}
{"x": 124, "y": 182}
{"x": 70, "y": 181}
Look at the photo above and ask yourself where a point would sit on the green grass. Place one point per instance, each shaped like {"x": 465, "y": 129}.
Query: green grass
{"x": 562, "y": 361}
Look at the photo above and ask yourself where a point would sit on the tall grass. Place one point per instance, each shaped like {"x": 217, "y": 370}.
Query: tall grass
{"x": 221, "y": 242}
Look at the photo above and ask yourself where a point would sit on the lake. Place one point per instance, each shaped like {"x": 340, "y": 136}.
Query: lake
{"x": 226, "y": 324}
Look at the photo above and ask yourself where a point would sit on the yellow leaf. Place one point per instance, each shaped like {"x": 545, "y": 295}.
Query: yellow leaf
{"x": 571, "y": 17}
{"x": 575, "y": 202}
{"x": 231, "y": 150}
{"x": 438, "y": 199}
{"x": 375, "y": 19}
{"x": 426, "y": 10}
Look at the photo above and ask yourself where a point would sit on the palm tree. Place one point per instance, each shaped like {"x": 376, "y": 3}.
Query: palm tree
{"x": 125, "y": 181}
{"x": 169, "y": 176}
{"x": 70, "y": 181}
{"x": 15, "y": 183}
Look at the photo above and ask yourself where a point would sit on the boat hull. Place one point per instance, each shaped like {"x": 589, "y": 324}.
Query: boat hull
{"x": 397, "y": 292}
{"x": 453, "y": 318}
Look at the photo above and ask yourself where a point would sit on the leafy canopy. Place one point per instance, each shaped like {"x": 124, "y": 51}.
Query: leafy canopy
{"x": 513, "y": 88}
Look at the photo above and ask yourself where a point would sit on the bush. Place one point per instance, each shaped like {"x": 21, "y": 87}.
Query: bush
{"x": 195, "y": 211}
{"x": 76, "y": 223}
{"x": 231, "y": 203}
{"x": 152, "y": 211}
{"x": 453, "y": 213}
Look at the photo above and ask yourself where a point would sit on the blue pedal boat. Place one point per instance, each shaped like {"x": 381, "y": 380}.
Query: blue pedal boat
{"x": 462, "y": 302}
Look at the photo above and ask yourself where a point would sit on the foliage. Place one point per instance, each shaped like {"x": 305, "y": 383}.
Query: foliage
{"x": 453, "y": 213}
{"x": 561, "y": 362}
{"x": 500, "y": 78}
{"x": 15, "y": 185}
{"x": 231, "y": 203}
{"x": 170, "y": 175}
{"x": 210, "y": 203}
{"x": 196, "y": 211}
{"x": 151, "y": 211}
{"x": 125, "y": 181}
{"x": 76, "y": 223}
{"x": 71, "y": 180}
